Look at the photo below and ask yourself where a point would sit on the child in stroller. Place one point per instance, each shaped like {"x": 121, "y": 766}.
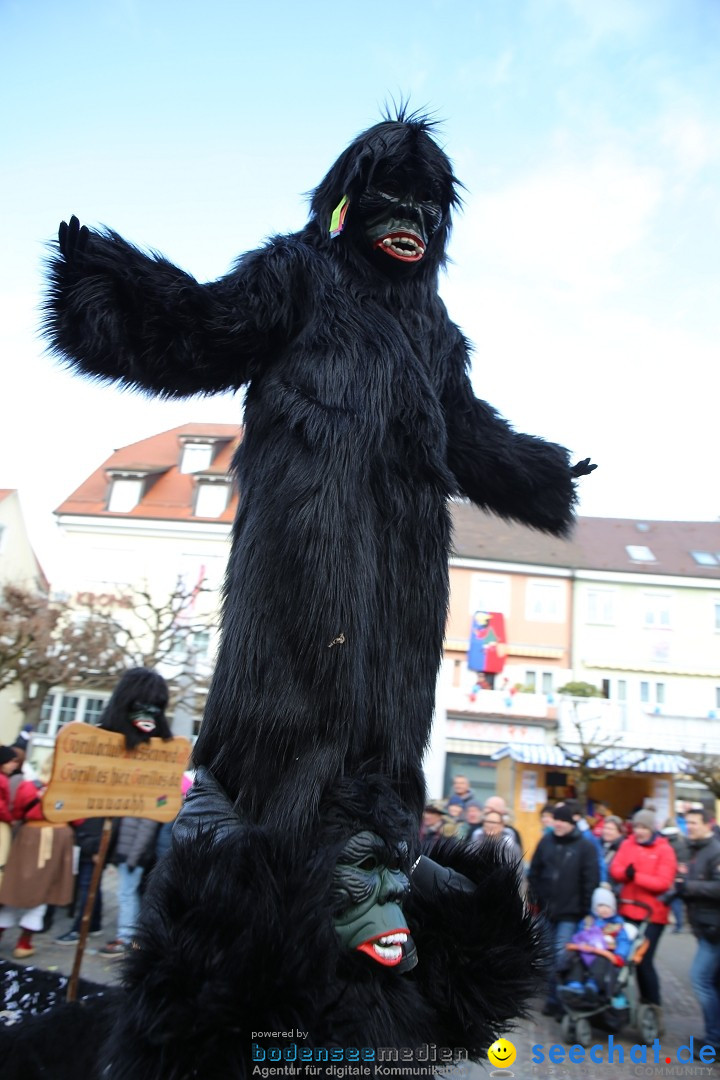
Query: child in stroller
{"x": 595, "y": 954}
{"x": 605, "y": 990}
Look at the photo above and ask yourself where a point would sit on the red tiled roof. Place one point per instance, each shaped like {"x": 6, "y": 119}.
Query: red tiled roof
{"x": 169, "y": 494}
{"x": 597, "y": 543}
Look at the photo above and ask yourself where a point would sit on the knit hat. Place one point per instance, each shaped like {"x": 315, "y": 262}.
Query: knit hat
{"x": 645, "y": 818}
{"x": 7, "y": 754}
{"x": 614, "y": 820}
{"x": 563, "y": 812}
{"x": 603, "y": 896}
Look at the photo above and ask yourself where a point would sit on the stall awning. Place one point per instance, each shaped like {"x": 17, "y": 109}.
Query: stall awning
{"x": 614, "y": 758}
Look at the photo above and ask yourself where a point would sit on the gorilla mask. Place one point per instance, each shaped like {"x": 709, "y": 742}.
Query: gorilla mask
{"x": 368, "y": 887}
{"x": 390, "y": 195}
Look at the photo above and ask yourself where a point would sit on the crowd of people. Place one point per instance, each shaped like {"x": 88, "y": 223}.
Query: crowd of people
{"x": 596, "y": 881}
{"x": 592, "y": 880}
{"x": 45, "y": 866}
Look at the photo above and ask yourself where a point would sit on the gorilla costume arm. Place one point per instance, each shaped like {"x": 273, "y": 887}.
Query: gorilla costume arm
{"x": 119, "y": 315}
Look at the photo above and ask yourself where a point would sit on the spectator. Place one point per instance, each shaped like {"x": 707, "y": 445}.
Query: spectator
{"x": 612, "y": 837}
{"x": 474, "y": 817}
{"x": 133, "y": 851}
{"x": 462, "y": 794}
{"x": 546, "y": 818}
{"x": 7, "y": 766}
{"x": 87, "y": 840}
{"x": 494, "y": 827}
{"x": 699, "y": 885}
{"x": 495, "y": 804}
{"x": 602, "y": 810}
{"x": 645, "y": 865}
{"x": 562, "y": 878}
{"x": 583, "y": 826}
{"x": 678, "y": 842}
{"x": 462, "y": 828}
{"x": 39, "y": 869}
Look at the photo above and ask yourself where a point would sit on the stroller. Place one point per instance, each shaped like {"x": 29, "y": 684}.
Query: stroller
{"x": 625, "y": 1006}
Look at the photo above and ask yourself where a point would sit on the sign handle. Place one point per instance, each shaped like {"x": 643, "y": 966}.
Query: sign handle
{"x": 89, "y": 905}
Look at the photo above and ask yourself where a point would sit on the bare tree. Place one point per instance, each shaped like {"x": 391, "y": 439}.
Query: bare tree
{"x": 157, "y": 631}
{"x": 705, "y": 768}
{"x": 593, "y": 756}
{"x": 44, "y": 644}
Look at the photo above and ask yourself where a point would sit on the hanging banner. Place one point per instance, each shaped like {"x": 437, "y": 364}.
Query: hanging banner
{"x": 95, "y": 776}
{"x": 487, "y": 648}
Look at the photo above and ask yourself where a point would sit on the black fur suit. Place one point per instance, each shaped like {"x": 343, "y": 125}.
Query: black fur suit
{"x": 243, "y": 941}
{"x": 360, "y": 422}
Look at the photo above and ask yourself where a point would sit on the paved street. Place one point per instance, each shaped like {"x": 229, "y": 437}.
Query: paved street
{"x": 682, "y": 1016}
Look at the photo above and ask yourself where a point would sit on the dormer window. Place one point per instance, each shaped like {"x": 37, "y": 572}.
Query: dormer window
{"x": 196, "y": 457}
{"x": 125, "y": 494}
{"x": 212, "y": 499}
{"x": 639, "y": 553}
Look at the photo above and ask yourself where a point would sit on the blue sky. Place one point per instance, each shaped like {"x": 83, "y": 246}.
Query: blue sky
{"x": 586, "y": 262}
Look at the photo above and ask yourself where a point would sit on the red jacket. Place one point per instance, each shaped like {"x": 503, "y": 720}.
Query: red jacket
{"x": 4, "y": 799}
{"x": 27, "y": 805}
{"x": 655, "y": 868}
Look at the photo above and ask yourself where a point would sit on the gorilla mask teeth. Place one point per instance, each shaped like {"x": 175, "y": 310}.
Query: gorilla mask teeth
{"x": 386, "y": 948}
{"x": 406, "y": 246}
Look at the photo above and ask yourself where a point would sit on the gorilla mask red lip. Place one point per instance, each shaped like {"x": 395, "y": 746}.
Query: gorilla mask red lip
{"x": 386, "y": 949}
{"x": 406, "y": 246}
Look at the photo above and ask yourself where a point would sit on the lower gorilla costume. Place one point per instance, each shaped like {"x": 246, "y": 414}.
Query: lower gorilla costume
{"x": 293, "y": 897}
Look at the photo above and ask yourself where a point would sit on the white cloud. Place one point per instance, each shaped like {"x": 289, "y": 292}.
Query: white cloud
{"x": 566, "y": 226}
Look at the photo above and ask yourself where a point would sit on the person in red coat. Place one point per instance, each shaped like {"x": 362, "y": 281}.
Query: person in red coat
{"x": 645, "y": 864}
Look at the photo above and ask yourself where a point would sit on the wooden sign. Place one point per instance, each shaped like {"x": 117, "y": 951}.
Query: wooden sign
{"x": 95, "y": 776}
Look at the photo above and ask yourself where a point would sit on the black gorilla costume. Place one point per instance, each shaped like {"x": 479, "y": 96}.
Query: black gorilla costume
{"x": 136, "y": 707}
{"x": 237, "y": 940}
{"x": 360, "y": 423}
{"x": 293, "y": 898}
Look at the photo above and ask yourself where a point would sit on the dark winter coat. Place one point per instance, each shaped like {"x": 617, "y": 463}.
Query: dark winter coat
{"x": 701, "y": 891}
{"x": 563, "y": 875}
{"x": 360, "y": 423}
{"x": 654, "y": 867}
{"x": 135, "y": 844}
{"x": 87, "y": 837}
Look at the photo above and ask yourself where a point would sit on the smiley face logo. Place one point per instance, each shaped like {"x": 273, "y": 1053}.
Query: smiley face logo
{"x": 502, "y": 1053}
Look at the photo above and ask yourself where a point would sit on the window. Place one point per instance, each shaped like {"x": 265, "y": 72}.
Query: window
{"x": 211, "y": 500}
{"x": 196, "y": 457}
{"x": 3, "y": 534}
{"x": 601, "y": 606}
{"x": 544, "y": 601}
{"x": 717, "y": 614}
{"x": 201, "y": 644}
{"x": 489, "y": 594}
{"x": 93, "y": 710}
{"x": 652, "y": 694}
{"x": 704, "y": 558}
{"x": 639, "y": 553}
{"x": 537, "y": 682}
{"x": 657, "y": 611}
{"x": 125, "y": 494}
{"x": 717, "y": 697}
{"x": 59, "y": 709}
